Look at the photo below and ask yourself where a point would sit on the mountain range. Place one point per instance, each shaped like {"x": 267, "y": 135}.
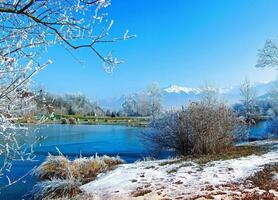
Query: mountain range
{"x": 176, "y": 96}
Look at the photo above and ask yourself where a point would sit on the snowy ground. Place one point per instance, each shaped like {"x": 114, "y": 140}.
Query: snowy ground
{"x": 181, "y": 180}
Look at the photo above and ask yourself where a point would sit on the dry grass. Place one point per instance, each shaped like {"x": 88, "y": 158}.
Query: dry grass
{"x": 82, "y": 169}
{"x": 61, "y": 178}
{"x": 233, "y": 153}
{"x": 57, "y": 188}
{"x": 58, "y": 167}
{"x": 264, "y": 178}
{"x": 88, "y": 168}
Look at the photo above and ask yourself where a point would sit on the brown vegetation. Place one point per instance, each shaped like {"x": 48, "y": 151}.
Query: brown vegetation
{"x": 201, "y": 128}
{"x": 82, "y": 169}
{"x": 233, "y": 153}
{"x": 265, "y": 179}
{"x": 62, "y": 177}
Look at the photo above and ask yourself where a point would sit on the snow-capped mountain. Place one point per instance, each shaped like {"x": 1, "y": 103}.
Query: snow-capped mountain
{"x": 176, "y": 96}
{"x": 179, "y": 89}
{"x": 189, "y": 90}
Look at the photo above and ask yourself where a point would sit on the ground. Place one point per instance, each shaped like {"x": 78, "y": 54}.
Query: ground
{"x": 247, "y": 177}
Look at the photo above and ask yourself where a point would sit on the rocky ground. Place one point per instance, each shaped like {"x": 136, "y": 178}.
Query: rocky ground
{"x": 249, "y": 177}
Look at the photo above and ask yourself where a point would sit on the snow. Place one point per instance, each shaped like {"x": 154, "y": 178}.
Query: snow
{"x": 188, "y": 90}
{"x": 179, "y": 89}
{"x": 185, "y": 179}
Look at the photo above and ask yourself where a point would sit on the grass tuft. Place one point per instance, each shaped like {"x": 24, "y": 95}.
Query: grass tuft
{"x": 57, "y": 188}
{"x": 55, "y": 167}
{"x": 82, "y": 169}
{"x": 62, "y": 178}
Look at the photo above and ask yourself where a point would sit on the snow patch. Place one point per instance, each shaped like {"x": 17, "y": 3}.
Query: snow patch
{"x": 172, "y": 180}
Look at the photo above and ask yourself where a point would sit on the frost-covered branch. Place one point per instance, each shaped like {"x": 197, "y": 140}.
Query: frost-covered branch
{"x": 27, "y": 29}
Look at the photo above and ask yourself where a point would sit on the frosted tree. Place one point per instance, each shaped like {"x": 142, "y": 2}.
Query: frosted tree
{"x": 248, "y": 99}
{"x": 154, "y": 100}
{"x": 142, "y": 104}
{"x": 28, "y": 28}
{"x": 130, "y": 106}
{"x": 210, "y": 94}
{"x": 268, "y": 55}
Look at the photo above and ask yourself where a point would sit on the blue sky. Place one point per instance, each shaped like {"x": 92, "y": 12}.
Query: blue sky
{"x": 183, "y": 42}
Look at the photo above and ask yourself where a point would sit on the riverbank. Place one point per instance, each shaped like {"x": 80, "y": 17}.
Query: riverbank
{"x": 88, "y": 120}
{"x": 230, "y": 176}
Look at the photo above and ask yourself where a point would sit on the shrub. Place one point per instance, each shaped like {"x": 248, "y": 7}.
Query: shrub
{"x": 72, "y": 120}
{"x": 201, "y": 128}
{"x": 64, "y": 121}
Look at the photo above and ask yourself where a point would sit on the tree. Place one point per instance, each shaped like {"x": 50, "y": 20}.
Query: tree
{"x": 70, "y": 111}
{"x": 76, "y": 24}
{"x": 130, "y": 106}
{"x": 154, "y": 100}
{"x": 28, "y": 28}
{"x": 268, "y": 55}
{"x": 210, "y": 94}
{"x": 113, "y": 114}
{"x": 248, "y": 99}
{"x": 143, "y": 104}
{"x": 108, "y": 113}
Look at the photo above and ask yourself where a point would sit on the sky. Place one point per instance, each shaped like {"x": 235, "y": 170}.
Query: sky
{"x": 182, "y": 42}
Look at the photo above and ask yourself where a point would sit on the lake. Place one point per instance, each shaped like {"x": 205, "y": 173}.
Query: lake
{"x": 73, "y": 141}
{"x": 85, "y": 140}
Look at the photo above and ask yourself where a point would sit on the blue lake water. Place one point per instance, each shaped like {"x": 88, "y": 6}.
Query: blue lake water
{"x": 85, "y": 140}
{"x": 73, "y": 141}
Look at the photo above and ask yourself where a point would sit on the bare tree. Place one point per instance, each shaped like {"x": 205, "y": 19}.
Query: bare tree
{"x": 248, "y": 99}
{"x": 154, "y": 100}
{"x": 210, "y": 94}
{"x": 143, "y": 104}
{"x": 268, "y": 55}
{"x": 28, "y": 28}
{"x": 130, "y": 106}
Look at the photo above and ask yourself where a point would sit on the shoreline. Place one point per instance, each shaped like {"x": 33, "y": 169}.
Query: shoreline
{"x": 89, "y": 120}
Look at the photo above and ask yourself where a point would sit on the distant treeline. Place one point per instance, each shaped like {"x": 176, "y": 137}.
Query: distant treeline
{"x": 70, "y": 104}
{"x": 147, "y": 103}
